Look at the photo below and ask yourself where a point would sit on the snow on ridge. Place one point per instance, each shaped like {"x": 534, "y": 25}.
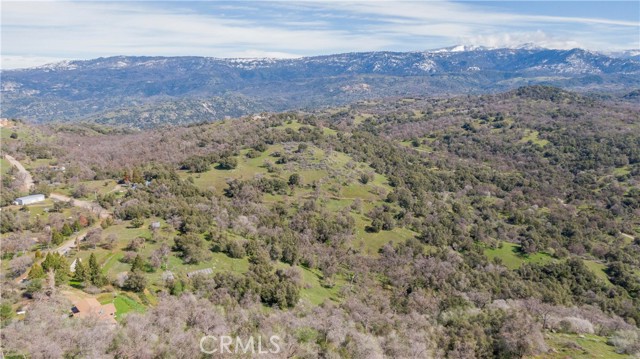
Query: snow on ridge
{"x": 426, "y": 65}
{"x": 249, "y": 63}
{"x": 460, "y": 48}
{"x": 62, "y": 65}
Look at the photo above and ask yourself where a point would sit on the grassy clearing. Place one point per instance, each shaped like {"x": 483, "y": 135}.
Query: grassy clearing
{"x": 5, "y": 166}
{"x": 109, "y": 259}
{"x": 5, "y": 132}
{"x": 247, "y": 168}
{"x": 33, "y": 164}
{"x": 124, "y": 304}
{"x": 294, "y": 125}
{"x": 328, "y": 131}
{"x": 100, "y": 187}
{"x": 510, "y": 255}
{"x": 598, "y": 269}
{"x": 622, "y": 171}
{"x": 575, "y": 346}
{"x": 532, "y": 136}
{"x": 361, "y": 117}
{"x": 422, "y": 148}
{"x": 371, "y": 243}
{"x": 41, "y": 210}
{"x": 314, "y": 292}
{"x": 219, "y": 262}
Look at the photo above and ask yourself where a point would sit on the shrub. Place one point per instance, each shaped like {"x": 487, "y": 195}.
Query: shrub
{"x": 575, "y": 325}
{"x": 626, "y": 342}
{"x": 228, "y": 163}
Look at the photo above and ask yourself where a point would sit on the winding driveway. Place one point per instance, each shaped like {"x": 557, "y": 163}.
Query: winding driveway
{"x": 28, "y": 180}
{"x": 71, "y": 242}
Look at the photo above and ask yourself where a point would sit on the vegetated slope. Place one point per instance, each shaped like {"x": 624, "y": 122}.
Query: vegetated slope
{"x": 487, "y": 226}
{"x": 133, "y": 90}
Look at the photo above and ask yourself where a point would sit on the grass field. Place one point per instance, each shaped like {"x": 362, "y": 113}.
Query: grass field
{"x": 109, "y": 259}
{"x": 575, "y": 346}
{"x": 511, "y": 258}
{"x": 125, "y": 304}
{"x": 622, "y": 171}
{"x": 598, "y": 269}
{"x": 422, "y": 148}
{"x": 314, "y": 292}
{"x": 5, "y": 166}
{"x": 100, "y": 187}
{"x": 361, "y": 117}
{"x": 33, "y": 164}
{"x": 41, "y": 209}
{"x": 532, "y": 136}
{"x": 371, "y": 243}
{"x": 5, "y": 132}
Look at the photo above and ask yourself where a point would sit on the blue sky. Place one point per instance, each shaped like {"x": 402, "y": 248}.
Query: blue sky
{"x": 34, "y": 33}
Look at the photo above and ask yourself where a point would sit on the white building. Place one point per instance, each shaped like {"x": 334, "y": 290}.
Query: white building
{"x": 73, "y": 265}
{"x": 34, "y": 198}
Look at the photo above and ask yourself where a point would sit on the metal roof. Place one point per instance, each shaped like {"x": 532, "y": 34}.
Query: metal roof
{"x": 32, "y": 196}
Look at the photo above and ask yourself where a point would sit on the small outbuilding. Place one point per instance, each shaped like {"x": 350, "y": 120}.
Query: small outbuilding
{"x": 34, "y": 198}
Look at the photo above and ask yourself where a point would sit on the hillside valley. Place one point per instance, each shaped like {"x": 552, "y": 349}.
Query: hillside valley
{"x": 502, "y": 225}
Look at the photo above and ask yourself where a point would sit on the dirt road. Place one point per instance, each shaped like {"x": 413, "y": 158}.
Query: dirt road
{"x": 28, "y": 180}
{"x": 63, "y": 249}
{"x": 71, "y": 242}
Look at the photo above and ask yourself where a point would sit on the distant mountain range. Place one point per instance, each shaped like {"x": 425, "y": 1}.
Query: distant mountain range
{"x": 150, "y": 91}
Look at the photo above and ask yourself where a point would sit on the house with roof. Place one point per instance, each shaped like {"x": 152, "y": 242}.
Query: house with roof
{"x": 90, "y": 307}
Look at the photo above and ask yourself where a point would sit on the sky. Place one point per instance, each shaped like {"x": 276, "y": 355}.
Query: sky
{"x": 39, "y": 32}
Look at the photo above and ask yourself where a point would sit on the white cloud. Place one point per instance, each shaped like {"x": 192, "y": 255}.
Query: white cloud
{"x": 538, "y": 38}
{"x": 19, "y": 62}
{"x": 101, "y": 29}
{"x": 34, "y": 32}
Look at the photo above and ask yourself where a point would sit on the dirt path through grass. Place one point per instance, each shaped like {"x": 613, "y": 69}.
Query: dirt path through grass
{"x": 28, "y": 179}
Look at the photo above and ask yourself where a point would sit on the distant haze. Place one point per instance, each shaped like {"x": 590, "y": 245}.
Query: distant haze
{"x": 152, "y": 91}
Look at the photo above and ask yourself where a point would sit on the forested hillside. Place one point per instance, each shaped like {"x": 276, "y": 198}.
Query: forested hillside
{"x": 145, "y": 92}
{"x": 492, "y": 226}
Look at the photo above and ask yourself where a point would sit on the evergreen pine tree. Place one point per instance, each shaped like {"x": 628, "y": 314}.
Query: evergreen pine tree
{"x": 56, "y": 237}
{"x": 94, "y": 274}
{"x": 66, "y": 230}
{"x": 36, "y": 272}
{"x": 81, "y": 271}
{"x": 49, "y": 263}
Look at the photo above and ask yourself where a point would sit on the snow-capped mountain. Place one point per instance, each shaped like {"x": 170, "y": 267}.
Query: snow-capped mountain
{"x": 77, "y": 89}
